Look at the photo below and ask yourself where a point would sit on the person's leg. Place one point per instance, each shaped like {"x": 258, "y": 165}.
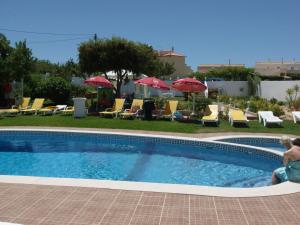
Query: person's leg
{"x": 275, "y": 179}
{"x": 279, "y": 175}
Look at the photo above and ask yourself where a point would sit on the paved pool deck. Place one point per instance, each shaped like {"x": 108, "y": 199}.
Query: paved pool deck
{"x": 45, "y": 204}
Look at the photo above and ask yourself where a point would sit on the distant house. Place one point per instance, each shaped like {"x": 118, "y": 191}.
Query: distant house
{"x": 277, "y": 68}
{"x": 178, "y": 61}
{"x": 204, "y": 68}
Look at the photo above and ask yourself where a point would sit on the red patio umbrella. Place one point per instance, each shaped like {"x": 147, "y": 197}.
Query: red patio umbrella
{"x": 99, "y": 81}
{"x": 153, "y": 82}
{"x": 190, "y": 85}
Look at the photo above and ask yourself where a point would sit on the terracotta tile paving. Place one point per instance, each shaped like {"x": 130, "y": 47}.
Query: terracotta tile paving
{"x": 48, "y": 205}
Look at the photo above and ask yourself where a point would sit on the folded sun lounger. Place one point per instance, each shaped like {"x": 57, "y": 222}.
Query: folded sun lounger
{"x": 115, "y": 110}
{"x": 211, "y": 114}
{"x": 296, "y": 116}
{"x": 267, "y": 117}
{"x": 237, "y": 116}
{"x": 136, "y": 107}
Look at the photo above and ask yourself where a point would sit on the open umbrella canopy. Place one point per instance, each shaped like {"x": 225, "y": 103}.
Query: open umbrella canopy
{"x": 153, "y": 82}
{"x": 99, "y": 81}
{"x": 188, "y": 85}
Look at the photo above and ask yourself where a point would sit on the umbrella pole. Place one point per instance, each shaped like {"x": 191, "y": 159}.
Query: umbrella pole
{"x": 193, "y": 104}
{"x": 97, "y": 100}
{"x": 188, "y": 100}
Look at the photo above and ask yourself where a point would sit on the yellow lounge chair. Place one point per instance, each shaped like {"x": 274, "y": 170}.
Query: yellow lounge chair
{"x": 68, "y": 111}
{"x": 16, "y": 109}
{"x": 211, "y": 114}
{"x": 115, "y": 110}
{"x": 237, "y": 116}
{"x": 171, "y": 108}
{"x": 36, "y": 106}
{"x": 136, "y": 106}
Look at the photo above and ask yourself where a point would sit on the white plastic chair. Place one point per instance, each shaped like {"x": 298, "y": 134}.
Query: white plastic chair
{"x": 296, "y": 116}
{"x": 267, "y": 117}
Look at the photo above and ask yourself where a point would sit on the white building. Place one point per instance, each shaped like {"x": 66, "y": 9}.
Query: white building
{"x": 277, "y": 68}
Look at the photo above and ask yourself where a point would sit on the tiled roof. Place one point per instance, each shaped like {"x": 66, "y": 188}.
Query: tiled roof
{"x": 169, "y": 53}
{"x": 279, "y": 62}
{"x": 221, "y": 65}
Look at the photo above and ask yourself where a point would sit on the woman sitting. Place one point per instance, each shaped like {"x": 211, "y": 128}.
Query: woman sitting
{"x": 291, "y": 160}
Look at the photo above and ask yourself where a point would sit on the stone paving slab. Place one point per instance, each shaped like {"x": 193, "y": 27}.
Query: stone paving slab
{"x": 40, "y": 204}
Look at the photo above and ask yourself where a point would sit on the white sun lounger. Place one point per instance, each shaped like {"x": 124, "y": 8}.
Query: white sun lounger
{"x": 267, "y": 117}
{"x": 60, "y": 108}
{"x": 296, "y": 116}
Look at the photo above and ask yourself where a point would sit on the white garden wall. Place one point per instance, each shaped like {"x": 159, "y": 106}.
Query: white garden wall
{"x": 230, "y": 88}
{"x": 276, "y": 89}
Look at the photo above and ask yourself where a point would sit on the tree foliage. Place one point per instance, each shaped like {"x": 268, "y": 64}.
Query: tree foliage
{"x": 65, "y": 70}
{"x": 20, "y": 61}
{"x": 5, "y": 51}
{"x": 121, "y": 56}
{"x": 253, "y": 84}
{"x": 56, "y": 89}
{"x": 227, "y": 73}
{"x": 15, "y": 62}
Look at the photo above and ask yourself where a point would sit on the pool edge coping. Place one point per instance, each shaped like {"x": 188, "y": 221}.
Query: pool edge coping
{"x": 281, "y": 189}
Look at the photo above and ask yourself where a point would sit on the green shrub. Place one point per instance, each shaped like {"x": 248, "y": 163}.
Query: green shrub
{"x": 258, "y": 105}
{"x": 200, "y": 103}
{"x": 224, "y": 98}
{"x": 78, "y": 91}
{"x": 276, "y": 109}
{"x": 56, "y": 89}
{"x": 240, "y": 103}
{"x": 297, "y": 104}
{"x": 160, "y": 102}
{"x": 281, "y": 103}
{"x": 273, "y": 101}
{"x": 31, "y": 85}
{"x": 183, "y": 105}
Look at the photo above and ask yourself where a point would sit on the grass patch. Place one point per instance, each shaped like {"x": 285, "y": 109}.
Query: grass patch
{"x": 156, "y": 125}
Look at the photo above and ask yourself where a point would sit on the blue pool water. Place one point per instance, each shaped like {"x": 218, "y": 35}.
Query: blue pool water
{"x": 116, "y": 157}
{"x": 272, "y": 143}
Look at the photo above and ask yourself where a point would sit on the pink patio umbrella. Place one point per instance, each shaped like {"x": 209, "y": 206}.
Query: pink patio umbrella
{"x": 153, "y": 82}
{"x": 99, "y": 81}
{"x": 190, "y": 85}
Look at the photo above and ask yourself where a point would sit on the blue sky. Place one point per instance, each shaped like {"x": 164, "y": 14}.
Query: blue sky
{"x": 206, "y": 31}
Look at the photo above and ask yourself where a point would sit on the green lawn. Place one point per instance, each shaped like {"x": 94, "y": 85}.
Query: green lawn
{"x": 96, "y": 122}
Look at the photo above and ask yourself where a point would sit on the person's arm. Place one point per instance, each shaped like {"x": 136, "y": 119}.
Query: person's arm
{"x": 287, "y": 157}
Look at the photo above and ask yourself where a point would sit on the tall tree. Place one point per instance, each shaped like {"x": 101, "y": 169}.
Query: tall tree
{"x": 5, "y": 51}
{"x": 21, "y": 61}
{"x": 68, "y": 69}
{"x": 121, "y": 56}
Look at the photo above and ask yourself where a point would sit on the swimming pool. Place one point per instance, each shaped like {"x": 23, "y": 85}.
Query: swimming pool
{"x": 265, "y": 142}
{"x": 134, "y": 158}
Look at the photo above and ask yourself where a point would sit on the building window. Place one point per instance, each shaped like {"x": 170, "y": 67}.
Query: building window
{"x": 278, "y": 67}
{"x": 292, "y": 68}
